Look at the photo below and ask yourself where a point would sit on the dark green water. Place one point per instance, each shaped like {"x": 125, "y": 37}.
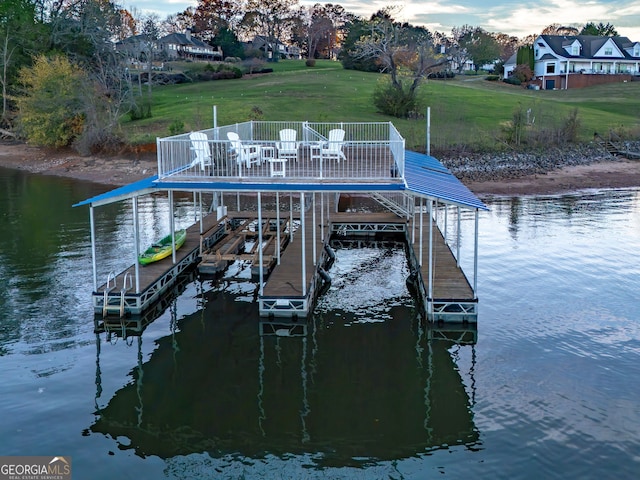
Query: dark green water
{"x": 360, "y": 390}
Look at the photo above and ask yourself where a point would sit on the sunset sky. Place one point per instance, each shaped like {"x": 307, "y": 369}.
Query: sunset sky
{"x": 514, "y": 18}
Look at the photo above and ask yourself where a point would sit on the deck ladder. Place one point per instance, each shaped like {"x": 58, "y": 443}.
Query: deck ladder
{"x": 125, "y": 289}
{"x": 107, "y": 289}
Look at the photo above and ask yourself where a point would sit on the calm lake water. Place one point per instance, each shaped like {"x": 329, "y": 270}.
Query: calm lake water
{"x": 362, "y": 389}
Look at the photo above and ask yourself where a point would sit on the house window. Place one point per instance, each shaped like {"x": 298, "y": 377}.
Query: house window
{"x": 636, "y": 52}
{"x": 608, "y": 51}
{"x": 575, "y": 50}
{"x": 551, "y": 68}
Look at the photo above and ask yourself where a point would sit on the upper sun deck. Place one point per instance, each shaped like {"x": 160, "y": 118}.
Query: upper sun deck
{"x": 292, "y": 152}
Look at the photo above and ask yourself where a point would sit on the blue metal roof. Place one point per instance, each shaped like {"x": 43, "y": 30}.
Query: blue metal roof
{"x": 146, "y": 185}
{"x": 424, "y": 175}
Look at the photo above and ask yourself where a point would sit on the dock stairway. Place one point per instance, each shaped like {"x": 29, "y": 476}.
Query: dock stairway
{"x": 616, "y": 148}
{"x": 400, "y": 204}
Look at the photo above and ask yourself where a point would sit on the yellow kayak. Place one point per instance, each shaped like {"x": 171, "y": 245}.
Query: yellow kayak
{"x": 162, "y": 248}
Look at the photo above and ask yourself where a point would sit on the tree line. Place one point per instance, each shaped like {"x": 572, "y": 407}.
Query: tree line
{"x": 63, "y": 82}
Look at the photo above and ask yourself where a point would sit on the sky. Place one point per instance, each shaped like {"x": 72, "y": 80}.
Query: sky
{"x": 520, "y": 18}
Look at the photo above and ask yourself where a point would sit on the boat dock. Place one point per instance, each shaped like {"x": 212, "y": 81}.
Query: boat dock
{"x": 289, "y": 250}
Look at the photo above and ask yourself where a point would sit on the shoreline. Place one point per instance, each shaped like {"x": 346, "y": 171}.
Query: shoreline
{"x": 496, "y": 180}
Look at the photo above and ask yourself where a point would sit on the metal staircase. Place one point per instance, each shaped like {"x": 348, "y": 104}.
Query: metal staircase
{"x": 399, "y": 203}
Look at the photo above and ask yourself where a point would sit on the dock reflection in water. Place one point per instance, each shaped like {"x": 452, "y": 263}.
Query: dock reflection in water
{"x": 344, "y": 392}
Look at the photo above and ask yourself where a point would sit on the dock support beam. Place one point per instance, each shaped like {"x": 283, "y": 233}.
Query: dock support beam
{"x": 303, "y": 240}
{"x": 458, "y": 241}
{"x": 430, "y": 251}
{"x": 172, "y": 226}
{"x": 278, "y": 226}
{"x": 93, "y": 248}
{"x": 261, "y": 274}
{"x": 313, "y": 228}
{"x": 475, "y": 258}
{"x": 136, "y": 242}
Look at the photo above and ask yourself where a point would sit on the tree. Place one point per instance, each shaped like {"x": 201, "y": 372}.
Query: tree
{"x": 349, "y": 55}
{"x": 20, "y": 37}
{"x": 600, "y": 30}
{"x": 481, "y": 47}
{"x": 227, "y": 40}
{"x": 404, "y": 52}
{"x": 211, "y": 16}
{"x": 271, "y": 19}
{"x": 319, "y": 27}
{"x": 151, "y": 34}
{"x": 127, "y": 27}
{"x": 458, "y": 52}
{"x": 179, "y": 22}
{"x": 525, "y": 56}
{"x": 84, "y": 31}
{"x": 51, "y": 106}
{"x": 557, "y": 29}
{"x": 508, "y": 45}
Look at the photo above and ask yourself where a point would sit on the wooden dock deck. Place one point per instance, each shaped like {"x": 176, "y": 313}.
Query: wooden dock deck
{"x": 121, "y": 296}
{"x": 286, "y": 293}
{"x": 452, "y": 297}
{"x": 290, "y": 290}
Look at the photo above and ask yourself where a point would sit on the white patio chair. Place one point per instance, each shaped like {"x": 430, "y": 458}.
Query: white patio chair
{"x": 200, "y": 150}
{"x": 333, "y": 147}
{"x": 249, "y": 154}
{"x": 287, "y": 146}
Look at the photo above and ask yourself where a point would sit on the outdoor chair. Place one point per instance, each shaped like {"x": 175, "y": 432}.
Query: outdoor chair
{"x": 248, "y": 154}
{"x": 287, "y": 146}
{"x": 333, "y": 147}
{"x": 200, "y": 150}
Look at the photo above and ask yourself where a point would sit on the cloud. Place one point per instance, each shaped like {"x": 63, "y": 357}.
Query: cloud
{"x": 493, "y": 15}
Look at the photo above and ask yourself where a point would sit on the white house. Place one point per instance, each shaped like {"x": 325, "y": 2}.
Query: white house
{"x": 509, "y": 65}
{"x": 563, "y": 61}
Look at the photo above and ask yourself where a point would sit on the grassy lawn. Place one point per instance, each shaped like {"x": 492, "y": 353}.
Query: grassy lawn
{"x": 466, "y": 112}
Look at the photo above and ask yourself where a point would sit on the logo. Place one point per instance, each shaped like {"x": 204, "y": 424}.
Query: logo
{"x": 35, "y": 468}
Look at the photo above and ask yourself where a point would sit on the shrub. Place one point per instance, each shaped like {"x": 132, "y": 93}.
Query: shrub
{"x": 512, "y": 81}
{"x": 492, "y": 78}
{"x": 569, "y": 130}
{"x": 311, "y": 62}
{"x": 522, "y": 73}
{"x": 398, "y": 102}
{"x": 140, "y": 111}
{"x": 51, "y": 106}
{"x": 176, "y": 127}
{"x": 441, "y": 75}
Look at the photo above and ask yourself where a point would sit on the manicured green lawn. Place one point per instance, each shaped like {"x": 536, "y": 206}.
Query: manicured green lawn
{"x": 466, "y": 112}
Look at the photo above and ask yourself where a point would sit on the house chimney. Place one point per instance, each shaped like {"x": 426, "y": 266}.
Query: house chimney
{"x": 188, "y": 34}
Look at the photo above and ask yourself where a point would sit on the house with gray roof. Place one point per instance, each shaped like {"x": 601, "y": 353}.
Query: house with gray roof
{"x": 574, "y": 61}
{"x": 181, "y": 46}
{"x": 175, "y": 46}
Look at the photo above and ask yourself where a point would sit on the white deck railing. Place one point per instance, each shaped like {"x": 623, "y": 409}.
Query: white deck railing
{"x": 369, "y": 152}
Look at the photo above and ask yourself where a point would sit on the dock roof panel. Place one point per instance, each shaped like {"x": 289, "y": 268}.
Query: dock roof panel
{"x": 424, "y": 176}
{"x": 141, "y": 187}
